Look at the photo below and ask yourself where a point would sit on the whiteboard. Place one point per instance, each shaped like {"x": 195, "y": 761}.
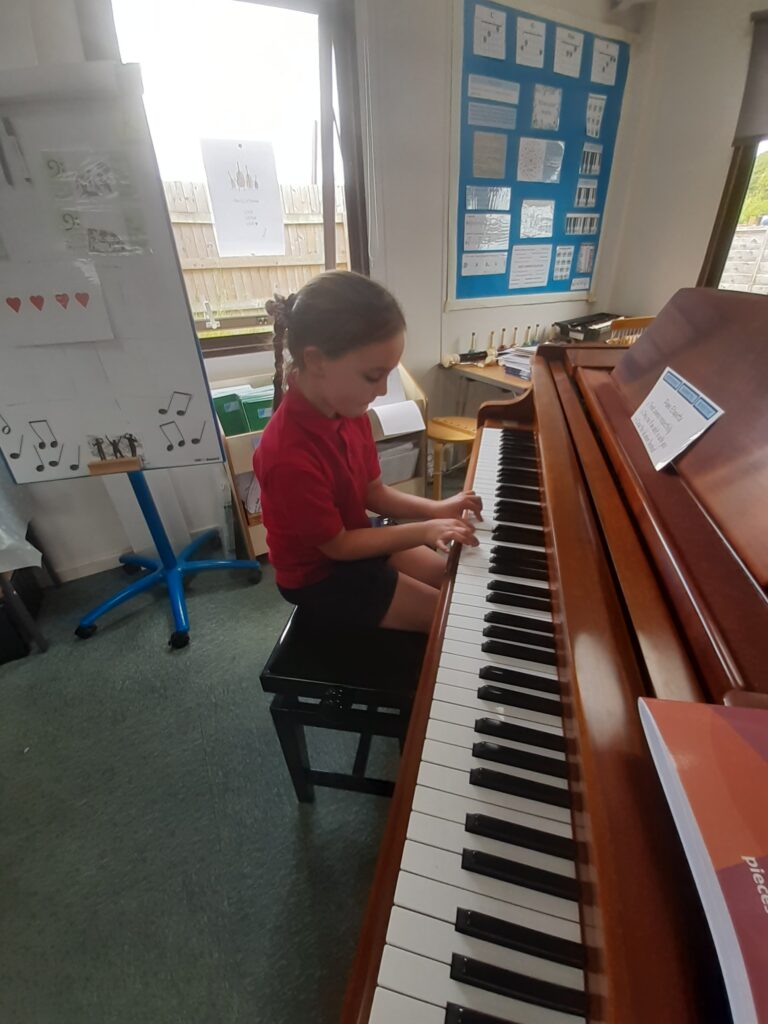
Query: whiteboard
{"x": 98, "y": 353}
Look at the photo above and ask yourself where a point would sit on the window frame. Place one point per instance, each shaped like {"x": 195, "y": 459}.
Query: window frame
{"x": 727, "y": 218}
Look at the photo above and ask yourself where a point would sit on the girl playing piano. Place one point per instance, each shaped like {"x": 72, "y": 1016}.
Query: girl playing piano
{"x": 319, "y": 472}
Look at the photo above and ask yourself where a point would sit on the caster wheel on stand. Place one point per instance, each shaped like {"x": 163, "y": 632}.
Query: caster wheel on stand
{"x": 255, "y": 576}
{"x": 178, "y": 640}
{"x": 85, "y": 632}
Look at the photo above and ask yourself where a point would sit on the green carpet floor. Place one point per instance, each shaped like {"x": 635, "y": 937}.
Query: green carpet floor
{"x": 155, "y": 867}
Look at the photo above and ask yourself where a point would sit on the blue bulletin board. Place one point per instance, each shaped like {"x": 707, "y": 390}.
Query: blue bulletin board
{"x": 538, "y": 112}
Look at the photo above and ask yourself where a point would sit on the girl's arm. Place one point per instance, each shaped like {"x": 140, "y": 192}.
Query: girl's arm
{"x": 387, "y": 501}
{"x": 351, "y": 545}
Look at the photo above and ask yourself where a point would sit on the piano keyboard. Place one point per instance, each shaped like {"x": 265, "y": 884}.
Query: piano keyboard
{"x": 485, "y": 924}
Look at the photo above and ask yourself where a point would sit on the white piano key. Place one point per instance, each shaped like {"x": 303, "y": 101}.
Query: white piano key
{"x": 451, "y": 780}
{"x": 467, "y": 715}
{"x": 473, "y": 652}
{"x": 393, "y": 1008}
{"x": 454, "y": 631}
{"x": 444, "y": 866}
{"x": 429, "y": 980}
{"x": 462, "y": 736}
{"x": 478, "y": 610}
{"x": 440, "y": 900}
{"x": 439, "y": 804}
{"x": 430, "y": 937}
{"x": 461, "y": 695}
{"x": 450, "y": 835}
{"x": 451, "y": 677}
{"x": 477, "y": 575}
{"x": 463, "y": 759}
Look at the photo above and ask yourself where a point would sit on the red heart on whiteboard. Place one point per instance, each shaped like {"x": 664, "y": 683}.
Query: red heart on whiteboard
{"x": 62, "y": 299}
{"x": 37, "y": 301}
{"x": 83, "y": 298}
{"x": 14, "y": 303}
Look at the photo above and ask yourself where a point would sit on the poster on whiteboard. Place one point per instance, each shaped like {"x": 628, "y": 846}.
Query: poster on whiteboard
{"x": 245, "y": 197}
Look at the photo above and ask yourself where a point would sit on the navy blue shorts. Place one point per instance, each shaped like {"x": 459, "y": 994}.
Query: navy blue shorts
{"x": 356, "y": 593}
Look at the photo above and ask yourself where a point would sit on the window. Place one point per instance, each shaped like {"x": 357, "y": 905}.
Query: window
{"x": 260, "y": 77}
{"x": 736, "y": 255}
{"x": 746, "y": 263}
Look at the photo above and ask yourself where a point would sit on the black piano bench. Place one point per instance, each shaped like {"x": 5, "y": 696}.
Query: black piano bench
{"x": 330, "y": 677}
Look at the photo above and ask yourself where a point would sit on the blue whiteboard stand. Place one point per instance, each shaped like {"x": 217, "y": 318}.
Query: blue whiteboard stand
{"x": 168, "y": 568}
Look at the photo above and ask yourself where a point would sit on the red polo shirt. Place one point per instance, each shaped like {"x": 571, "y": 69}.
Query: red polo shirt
{"x": 314, "y": 471}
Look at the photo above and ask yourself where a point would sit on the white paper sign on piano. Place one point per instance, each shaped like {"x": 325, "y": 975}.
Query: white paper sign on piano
{"x": 673, "y": 415}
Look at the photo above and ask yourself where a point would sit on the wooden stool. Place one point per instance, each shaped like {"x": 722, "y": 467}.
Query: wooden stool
{"x": 331, "y": 677}
{"x": 444, "y": 430}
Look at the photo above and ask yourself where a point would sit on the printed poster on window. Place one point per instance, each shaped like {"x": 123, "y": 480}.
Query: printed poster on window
{"x": 245, "y": 197}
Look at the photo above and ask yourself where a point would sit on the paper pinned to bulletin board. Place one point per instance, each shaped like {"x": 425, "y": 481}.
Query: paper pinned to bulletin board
{"x": 536, "y": 112}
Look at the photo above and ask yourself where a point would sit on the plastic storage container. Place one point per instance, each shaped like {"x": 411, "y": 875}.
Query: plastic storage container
{"x": 397, "y": 460}
{"x": 258, "y": 410}
{"x": 229, "y": 409}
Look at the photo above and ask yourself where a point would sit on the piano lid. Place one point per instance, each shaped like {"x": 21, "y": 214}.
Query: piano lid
{"x": 719, "y": 341}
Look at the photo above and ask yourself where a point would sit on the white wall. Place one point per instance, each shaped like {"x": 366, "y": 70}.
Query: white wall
{"x": 694, "y": 58}
{"x": 406, "y": 62}
{"x": 687, "y": 72}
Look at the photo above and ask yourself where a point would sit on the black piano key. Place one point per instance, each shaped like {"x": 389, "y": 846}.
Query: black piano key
{"x": 517, "y": 512}
{"x": 517, "y": 535}
{"x": 516, "y": 469}
{"x": 525, "y": 572}
{"x": 514, "y": 475}
{"x": 517, "y": 491}
{"x": 455, "y": 1014}
{"x": 521, "y": 621}
{"x": 517, "y": 986}
{"x": 520, "y": 759}
{"x": 514, "y": 650}
{"x": 516, "y": 699}
{"x": 523, "y": 636}
{"x": 519, "y": 554}
{"x": 500, "y": 782}
{"x": 518, "y": 835}
{"x": 510, "y": 587}
{"x": 536, "y": 604}
{"x": 506, "y": 870}
{"x": 510, "y": 561}
{"x": 521, "y": 733}
{"x": 517, "y": 568}
{"x": 516, "y": 677}
{"x": 524, "y": 940}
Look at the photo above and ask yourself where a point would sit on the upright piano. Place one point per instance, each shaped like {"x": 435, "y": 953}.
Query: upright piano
{"x": 530, "y": 871}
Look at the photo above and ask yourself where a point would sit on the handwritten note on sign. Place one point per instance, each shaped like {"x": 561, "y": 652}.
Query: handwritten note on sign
{"x": 51, "y": 304}
{"x": 673, "y": 415}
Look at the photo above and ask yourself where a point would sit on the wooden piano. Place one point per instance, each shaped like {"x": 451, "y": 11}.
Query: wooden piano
{"x": 530, "y": 870}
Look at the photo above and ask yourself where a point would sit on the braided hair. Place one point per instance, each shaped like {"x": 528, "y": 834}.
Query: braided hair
{"x": 279, "y": 309}
{"x": 335, "y": 312}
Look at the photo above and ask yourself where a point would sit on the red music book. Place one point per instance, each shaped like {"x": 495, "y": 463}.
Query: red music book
{"x": 713, "y": 765}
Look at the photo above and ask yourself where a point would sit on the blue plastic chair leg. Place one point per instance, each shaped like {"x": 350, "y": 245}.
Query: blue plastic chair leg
{"x": 175, "y": 583}
{"x": 218, "y": 563}
{"x": 132, "y": 590}
{"x": 168, "y": 568}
